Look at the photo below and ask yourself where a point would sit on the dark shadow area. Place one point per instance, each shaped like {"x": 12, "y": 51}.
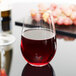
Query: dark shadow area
{"x": 38, "y": 71}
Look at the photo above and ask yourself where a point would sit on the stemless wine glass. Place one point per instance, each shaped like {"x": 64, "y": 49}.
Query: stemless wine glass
{"x": 38, "y": 41}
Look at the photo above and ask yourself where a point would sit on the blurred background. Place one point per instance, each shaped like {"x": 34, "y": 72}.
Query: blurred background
{"x": 57, "y": 1}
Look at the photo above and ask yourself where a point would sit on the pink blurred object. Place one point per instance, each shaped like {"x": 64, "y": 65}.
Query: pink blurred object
{"x": 53, "y": 6}
{"x": 73, "y": 15}
{"x": 62, "y": 15}
{"x": 42, "y": 6}
{"x": 67, "y": 11}
{"x": 55, "y": 20}
{"x": 57, "y": 12}
{"x": 33, "y": 13}
{"x": 74, "y": 22}
{"x": 73, "y": 7}
{"x": 37, "y": 17}
{"x": 60, "y": 20}
{"x": 68, "y": 21}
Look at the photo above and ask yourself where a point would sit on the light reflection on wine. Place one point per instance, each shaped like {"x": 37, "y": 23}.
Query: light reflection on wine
{"x": 38, "y": 71}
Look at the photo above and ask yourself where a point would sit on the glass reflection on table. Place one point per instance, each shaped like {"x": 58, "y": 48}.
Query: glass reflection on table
{"x": 38, "y": 71}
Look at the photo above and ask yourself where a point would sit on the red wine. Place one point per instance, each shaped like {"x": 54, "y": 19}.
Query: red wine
{"x": 38, "y": 46}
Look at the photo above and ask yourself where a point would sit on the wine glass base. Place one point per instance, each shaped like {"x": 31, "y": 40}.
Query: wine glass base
{"x": 38, "y": 65}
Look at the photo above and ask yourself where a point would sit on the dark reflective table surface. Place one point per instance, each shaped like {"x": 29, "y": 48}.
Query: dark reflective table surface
{"x": 63, "y": 63}
{"x": 38, "y": 71}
